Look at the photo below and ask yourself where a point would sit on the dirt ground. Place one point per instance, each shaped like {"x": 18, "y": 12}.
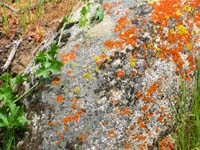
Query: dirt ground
{"x": 32, "y": 25}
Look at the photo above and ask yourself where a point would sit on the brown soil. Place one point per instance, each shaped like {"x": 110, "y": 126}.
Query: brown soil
{"x": 33, "y": 26}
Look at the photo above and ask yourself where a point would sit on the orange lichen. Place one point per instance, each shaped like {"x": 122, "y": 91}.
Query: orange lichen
{"x": 122, "y": 23}
{"x": 142, "y": 125}
{"x": 72, "y": 55}
{"x": 60, "y": 135}
{"x": 141, "y": 147}
{"x": 110, "y": 5}
{"x": 59, "y": 98}
{"x": 166, "y": 144}
{"x": 152, "y": 88}
{"x": 125, "y": 111}
{"x": 148, "y": 114}
{"x": 41, "y": 87}
{"x": 76, "y": 117}
{"x": 128, "y": 36}
{"x": 57, "y": 143}
{"x": 69, "y": 72}
{"x": 127, "y": 145}
{"x": 66, "y": 128}
{"x": 51, "y": 123}
{"x": 67, "y": 119}
{"x": 141, "y": 137}
{"x": 132, "y": 127}
{"x": 144, "y": 107}
{"x": 73, "y": 106}
{"x": 120, "y": 73}
{"x": 99, "y": 62}
{"x": 139, "y": 120}
{"x": 111, "y": 132}
{"x": 82, "y": 137}
{"x": 103, "y": 56}
{"x": 160, "y": 118}
{"x": 77, "y": 46}
{"x": 109, "y": 43}
{"x": 164, "y": 15}
{"x": 119, "y": 44}
{"x": 162, "y": 109}
{"x": 56, "y": 80}
{"x": 65, "y": 57}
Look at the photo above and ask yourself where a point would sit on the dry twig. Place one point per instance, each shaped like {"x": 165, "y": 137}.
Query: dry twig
{"x": 12, "y": 54}
{"x": 9, "y": 7}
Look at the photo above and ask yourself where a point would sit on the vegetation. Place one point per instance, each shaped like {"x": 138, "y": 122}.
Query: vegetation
{"x": 98, "y": 15}
{"x": 187, "y": 133}
{"x": 48, "y": 63}
{"x": 12, "y": 114}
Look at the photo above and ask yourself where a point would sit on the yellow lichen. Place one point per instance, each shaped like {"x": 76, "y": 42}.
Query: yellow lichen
{"x": 182, "y": 30}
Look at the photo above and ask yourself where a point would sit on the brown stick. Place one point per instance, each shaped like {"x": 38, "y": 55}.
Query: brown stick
{"x": 9, "y": 7}
{"x": 11, "y": 56}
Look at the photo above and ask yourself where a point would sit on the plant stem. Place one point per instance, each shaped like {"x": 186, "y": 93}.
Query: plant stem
{"x": 26, "y": 92}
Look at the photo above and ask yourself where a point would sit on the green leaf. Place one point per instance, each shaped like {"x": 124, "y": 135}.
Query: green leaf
{"x": 5, "y": 77}
{"x": 53, "y": 50}
{"x": 83, "y": 21}
{"x": 85, "y": 10}
{"x": 21, "y": 119}
{"x": 47, "y": 64}
{"x": 6, "y": 93}
{"x": 17, "y": 80}
{"x": 42, "y": 72}
{"x": 3, "y": 120}
{"x": 99, "y": 15}
{"x": 41, "y": 57}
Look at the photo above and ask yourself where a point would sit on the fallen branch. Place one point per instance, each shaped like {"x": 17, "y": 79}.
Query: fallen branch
{"x": 11, "y": 56}
{"x": 9, "y": 7}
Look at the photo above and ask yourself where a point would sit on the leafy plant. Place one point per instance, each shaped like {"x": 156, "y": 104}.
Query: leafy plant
{"x": 84, "y": 11}
{"x": 48, "y": 63}
{"x": 99, "y": 14}
{"x": 12, "y": 116}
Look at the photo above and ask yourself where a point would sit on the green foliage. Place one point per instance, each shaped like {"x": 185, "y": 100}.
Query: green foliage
{"x": 187, "y": 133}
{"x": 84, "y": 11}
{"x": 99, "y": 14}
{"x": 48, "y": 63}
{"x": 11, "y": 115}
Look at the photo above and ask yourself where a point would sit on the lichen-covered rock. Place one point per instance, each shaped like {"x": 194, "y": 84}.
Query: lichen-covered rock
{"x": 121, "y": 79}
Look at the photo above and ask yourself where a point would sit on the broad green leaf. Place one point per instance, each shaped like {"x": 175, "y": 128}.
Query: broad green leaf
{"x": 5, "y": 77}
{"x": 53, "y": 50}
{"x": 83, "y": 21}
{"x": 17, "y": 80}
{"x": 85, "y": 10}
{"x": 41, "y": 57}
{"x": 99, "y": 15}
{"x": 6, "y": 93}
{"x": 42, "y": 72}
{"x": 21, "y": 119}
{"x": 47, "y": 64}
{"x": 3, "y": 120}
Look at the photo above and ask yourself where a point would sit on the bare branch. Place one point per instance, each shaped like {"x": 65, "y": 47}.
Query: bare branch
{"x": 11, "y": 56}
{"x": 9, "y": 7}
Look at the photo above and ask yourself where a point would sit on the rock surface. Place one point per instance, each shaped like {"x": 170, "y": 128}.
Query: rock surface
{"x": 120, "y": 82}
